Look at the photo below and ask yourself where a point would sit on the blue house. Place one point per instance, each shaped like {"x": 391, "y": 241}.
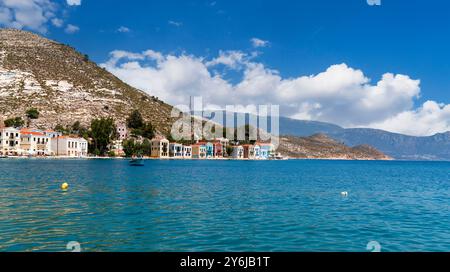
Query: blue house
{"x": 209, "y": 150}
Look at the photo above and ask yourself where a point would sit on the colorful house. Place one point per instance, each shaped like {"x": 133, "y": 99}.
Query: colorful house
{"x": 218, "y": 149}
{"x": 199, "y": 151}
{"x": 176, "y": 150}
{"x": 257, "y": 151}
{"x": 122, "y": 131}
{"x": 225, "y": 143}
{"x": 238, "y": 152}
{"x": 187, "y": 152}
{"x": 266, "y": 150}
{"x": 249, "y": 151}
{"x": 160, "y": 147}
{"x": 209, "y": 150}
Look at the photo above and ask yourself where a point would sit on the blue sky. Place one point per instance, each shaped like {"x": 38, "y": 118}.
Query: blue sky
{"x": 303, "y": 38}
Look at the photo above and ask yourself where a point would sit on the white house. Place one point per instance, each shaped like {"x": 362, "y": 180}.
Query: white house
{"x": 52, "y": 133}
{"x": 176, "y": 150}
{"x": 238, "y": 152}
{"x": 267, "y": 150}
{"x": 9, "y": 141}
{"x": 257, "y": 149}
{"x": 69, "y": 146}
{"x": 34, "y": 142}
{"x": 187, "y": 152}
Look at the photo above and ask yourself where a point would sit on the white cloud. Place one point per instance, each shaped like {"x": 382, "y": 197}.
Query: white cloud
{"x": 175, "y": 23}
{"x": 57, "y": 22}
{"x": 429, "y": 119}
{"x": 71, "y": 29}
{"x": 231, "y": 59}
{"x": 123, "y": 29}
{"x": 74, "y": 2}
{"x": 32, "y": 14}
{"x": 259, "y": 43}
{"x": 36, "y": 15}
{"x": 340, "y": 94}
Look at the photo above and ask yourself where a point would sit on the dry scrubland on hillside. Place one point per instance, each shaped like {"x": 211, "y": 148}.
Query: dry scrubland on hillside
{"x": 65, "y": 86}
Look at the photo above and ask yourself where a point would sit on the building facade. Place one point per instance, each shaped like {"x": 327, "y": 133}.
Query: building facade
{"x": 69, "y": 146}
{"x": 34, "y": 143}
{"x": 266, "y": 151}
{"x": 187, "y": 152}
{"x": 249, "y": 151}
{"x": 9, "y": 142}
{"x": 238, "y": 152}
{"x": 160, "y": 147}
{"x": 176, "y": 150}
{"x": 199, "y": 151}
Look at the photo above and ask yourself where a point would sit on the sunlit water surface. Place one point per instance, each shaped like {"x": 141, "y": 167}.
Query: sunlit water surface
{"x": 224, "y": 205}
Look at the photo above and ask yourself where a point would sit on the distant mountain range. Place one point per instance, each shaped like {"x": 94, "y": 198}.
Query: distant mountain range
{"x": 398, "y": 146}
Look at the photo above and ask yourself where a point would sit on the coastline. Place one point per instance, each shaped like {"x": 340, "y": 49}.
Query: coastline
{"x": 212, "y": 159}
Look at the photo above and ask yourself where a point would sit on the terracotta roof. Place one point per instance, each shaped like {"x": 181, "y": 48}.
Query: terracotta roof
{"x": 28, "y": 132}
{"x": 198, "y": 144}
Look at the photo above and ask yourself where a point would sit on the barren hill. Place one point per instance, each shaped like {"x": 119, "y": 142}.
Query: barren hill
{"x": 320, "y": 146}
{"x": 65, "y": 86}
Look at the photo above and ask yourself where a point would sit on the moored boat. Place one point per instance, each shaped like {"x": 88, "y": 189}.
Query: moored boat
{"x": 277, "y": 157}
{"x": 138, "y": 161}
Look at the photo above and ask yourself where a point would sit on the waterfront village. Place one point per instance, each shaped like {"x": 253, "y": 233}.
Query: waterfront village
{"x": 29, "y": 142}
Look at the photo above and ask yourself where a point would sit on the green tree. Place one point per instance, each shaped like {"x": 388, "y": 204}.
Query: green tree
{"x": 135, "y": 120}
{"x": 146, "y": 147}
{"x": 229, "y": 150}
{"x": 60, "y": 128}
{"x": 103, "y": 132}
{"x": 76, "y": 127}
{"x": 15, "y": 122}
{"x": 32, "y": 113}
{"x": 148, "y": 131}
{"x": 129, "y": 147}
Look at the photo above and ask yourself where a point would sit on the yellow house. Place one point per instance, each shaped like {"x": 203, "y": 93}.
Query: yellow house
{"x": 160, "y": 147}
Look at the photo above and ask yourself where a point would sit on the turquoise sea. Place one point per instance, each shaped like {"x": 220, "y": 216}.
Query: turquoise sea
{"x": 224, "y": 205}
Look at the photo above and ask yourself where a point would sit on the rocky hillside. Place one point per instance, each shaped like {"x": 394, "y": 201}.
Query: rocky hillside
{"x": 65, "y": 86}
{"x": 320, "y": 146}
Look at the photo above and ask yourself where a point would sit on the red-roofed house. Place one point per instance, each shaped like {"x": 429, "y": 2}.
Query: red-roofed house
{"x": 33, "y": 142}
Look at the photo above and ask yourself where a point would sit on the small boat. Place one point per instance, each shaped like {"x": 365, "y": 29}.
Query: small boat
{"x": 3, "y": 157}
{"x": 278, "y": 157}
{"x": 137, "y": 161}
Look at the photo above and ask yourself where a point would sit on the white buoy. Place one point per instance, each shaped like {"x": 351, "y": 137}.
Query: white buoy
{"x": 344, "y": 194}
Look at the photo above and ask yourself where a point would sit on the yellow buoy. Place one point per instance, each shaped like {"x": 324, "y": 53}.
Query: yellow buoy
{"x": 65, "y": 186}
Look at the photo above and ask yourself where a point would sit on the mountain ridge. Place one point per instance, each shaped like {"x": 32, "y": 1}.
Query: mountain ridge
{"x": 56, "y": 79}
{"x": 396, "y": 145}
{"x": 321, "y": 146}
